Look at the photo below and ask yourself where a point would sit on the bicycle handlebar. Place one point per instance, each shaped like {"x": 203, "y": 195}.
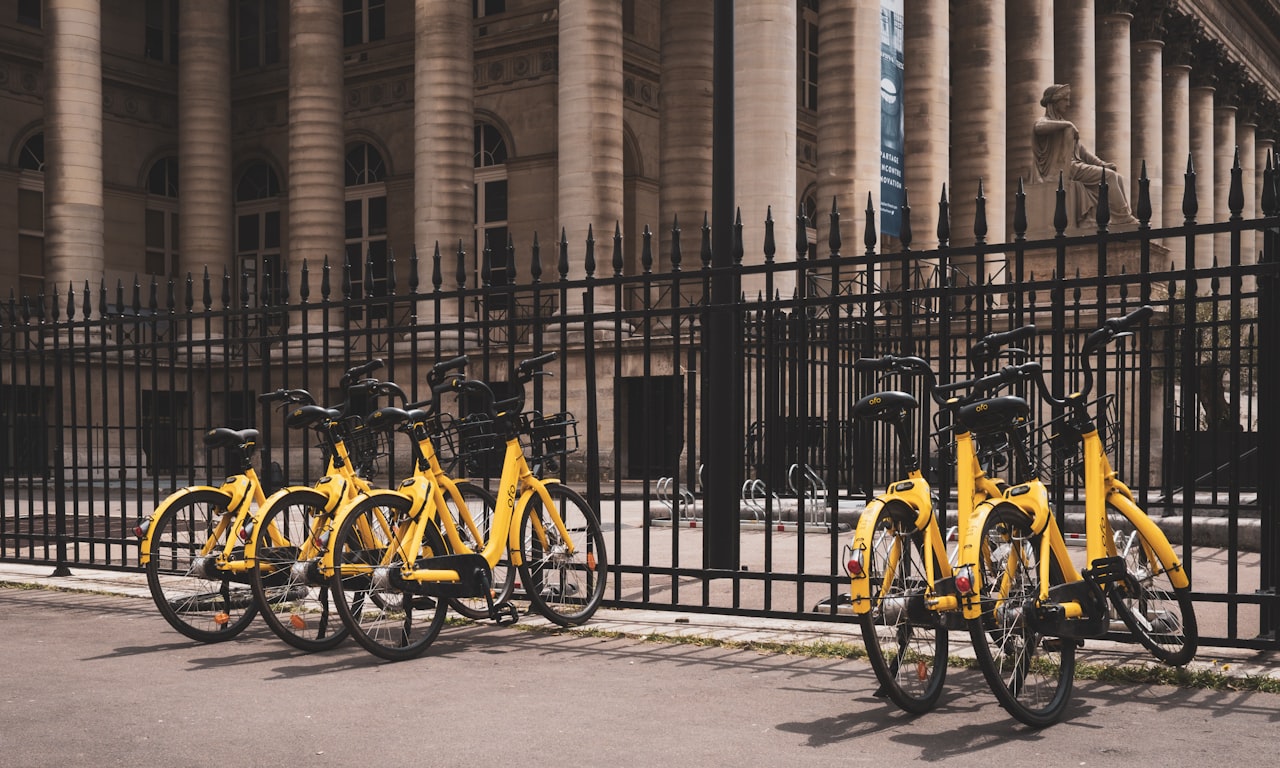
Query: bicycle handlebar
{"x": 357, "y": 371}
{"x": 989, "y": 347}
{"x": 288, "y": 396}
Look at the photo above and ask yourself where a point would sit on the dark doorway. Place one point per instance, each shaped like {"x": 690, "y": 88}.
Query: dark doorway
{"x": 164, "y": 421}
{"x": 24, "y": 440}
{"x": 654, "y": 407}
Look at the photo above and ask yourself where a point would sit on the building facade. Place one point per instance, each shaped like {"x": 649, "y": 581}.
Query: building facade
{"x": 250, "y": 136}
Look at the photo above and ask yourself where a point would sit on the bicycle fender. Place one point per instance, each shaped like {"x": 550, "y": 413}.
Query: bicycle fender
{"x": 517, "y": 521}
{"x": 1160, "y": 542}
{"x": 326, "y": 560}
{"x": 144, "y": 546}
{"x": 860, "y": 586}
{"x": 971, "y": 556}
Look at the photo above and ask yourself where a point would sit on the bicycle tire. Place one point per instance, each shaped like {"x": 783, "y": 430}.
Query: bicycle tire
{"x": 385, "y": 619}
{"x": 907, "y": 649}
{"x": 295, "y": 600}
{"x": 1030, "y": 674}
{"x": 480, "y": 504}
{"x": 193, "y": 596}
{"x": 565, "y": 590}
{"x": 1160, "y": 615}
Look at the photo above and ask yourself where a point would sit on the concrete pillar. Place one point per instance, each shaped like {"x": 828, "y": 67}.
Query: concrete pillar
{"x": 1115, "y": 92}
{"x": 590, "y": 131}
{"x": 204, "y": 141}
{"x": 1148, "y": 125}
{"x": 1074, "y": 61}
{"x": 1177, "y": 148}
{"x": 764, "y": 72}
{"x": 685, "y": 101}
{"x": 1224, "y": 148}
{"x": 1202, "y": 157}
{"x": 443, "y": 132}
{"x": 1030, "y": 71}
{"x": 1246, "y": 140}
{"x": 316, "y": 157}
{"x": 74, "y": 238}
{"x": 978, "y": 129}
{"x": 927, "y": 100}
{"x": 848, "y": 126}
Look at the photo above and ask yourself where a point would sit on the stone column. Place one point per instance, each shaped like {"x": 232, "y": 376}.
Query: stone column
{"x": 1030, "y": 71}
{"x": 74, "y": 220}
{"x": 443, "y": 133}
{"x": 685, "y": 101}
{"x": 978, "y": 130}
{"x": 1114, "y": 93}
{"x": 590, "y": 131}
{"x": 316, "y": 157}
{"x": 1224, "y": 148}
{"x": 204, "y": 141}
{"x": 1074, "y": 59}
{"x": 1148, "y": 125}
{"x": 848, "y": 127}
{"x": 1202, "y": 158}
{"x": 1177, "y": 149}
{"x": 764, "y": 72}
{"x": 1246, "y": 140}
{"x": 927, "y": 100}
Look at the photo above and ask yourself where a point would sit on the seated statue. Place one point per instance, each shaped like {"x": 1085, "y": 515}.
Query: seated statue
{"x": 1058, "y": 149}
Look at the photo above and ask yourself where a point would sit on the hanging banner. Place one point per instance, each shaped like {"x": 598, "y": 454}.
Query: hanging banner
{"x": 893, "y": 194}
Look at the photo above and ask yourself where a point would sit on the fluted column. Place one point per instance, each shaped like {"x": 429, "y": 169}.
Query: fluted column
{"x": 1075, "y": 59}
{"x": 685, "y": 101}
{"x": 848, "y": 128}
{"x": 316, "y": 178}
{"x": 74, "y": 220}
{"x": 1224, "y": 147}
{"x": 204, "y": 139}
{"x": 590, "y": 128}
{"x": 1246, "y": 141}
{"x": 978, "y": 130}
{"x": 443, "y": 131}
{"x": 1030, "y": 71}
{"x": 765, "y": 134}
{"x": 927, "y": 100}
{"x": 1148, "y": 125}
{"x": 1177, "y": 148}
{"x": 1114, "y": 85}
{"x": 1202, "y": 156}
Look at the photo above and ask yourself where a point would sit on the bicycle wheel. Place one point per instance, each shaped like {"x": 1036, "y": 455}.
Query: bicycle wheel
{"x": 906, "y": 644}
{"x": 1031, "y": 675}
{"x": 388, "y": 618}
{"x": 1159, "y": 614}
{"x": 480, "y": 505}
{"x": 193, "y": 594}
{"x": 296, "y": 601}
{"x": 565, "y": 588}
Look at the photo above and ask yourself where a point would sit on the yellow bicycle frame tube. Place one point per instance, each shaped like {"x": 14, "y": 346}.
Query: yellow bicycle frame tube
{"x": 915, "y": 493}
{"x": 237, "y": 489}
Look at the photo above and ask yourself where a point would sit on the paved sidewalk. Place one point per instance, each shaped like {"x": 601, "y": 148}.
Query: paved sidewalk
{"x": 1233, "y": 662}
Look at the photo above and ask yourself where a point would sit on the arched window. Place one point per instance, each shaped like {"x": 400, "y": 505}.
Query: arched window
{"x": 366, "y": 224}
{"x": 491, "y": 200}
{"x": 162, "y": 218}
{"x": 809, "y": 205}
{"x": 31, "y": 217}
{"x": 258, "y": 232}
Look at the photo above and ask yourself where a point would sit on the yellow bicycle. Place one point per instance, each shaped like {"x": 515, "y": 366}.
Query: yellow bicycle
{"x": 392, "y": 569}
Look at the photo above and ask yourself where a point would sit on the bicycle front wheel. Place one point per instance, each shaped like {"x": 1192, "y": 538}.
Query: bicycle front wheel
{"x": 196, "y": 597}
{"x": 479, "y": 504}
{"x": 906, "y": 643}
{"x": 1159, "y": 614}
{"x": 1031, "y": 675}
{"x": 564, "y": 586}
{"x": 388, "y": 617}
{"x": 295, "y": 599}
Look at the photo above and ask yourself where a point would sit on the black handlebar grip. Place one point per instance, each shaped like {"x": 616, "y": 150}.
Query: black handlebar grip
{"x": 873, "y": 363}
{"x": 988, "y": 347}
{"x": 534, "y": 363}
{"x": 441, "y": 368}
{"x": 1136, "y": 317}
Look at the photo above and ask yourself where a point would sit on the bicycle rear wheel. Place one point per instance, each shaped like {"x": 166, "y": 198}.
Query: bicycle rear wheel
{"x": 564, "y": 587}
{"x": 197, "y": 598}
{"x": 390, "y": 619}
{"x": 295, "y": 599}
{"x": 1159, "y": 614}
{"x": 906, "y": 643}
{"x": 1031, "y": 675}
{"x": 480, "y": 505}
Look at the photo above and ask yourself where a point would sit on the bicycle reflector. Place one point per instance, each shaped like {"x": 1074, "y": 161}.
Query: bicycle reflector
{"x": 964, "y": 580}
{"x": 140, "y": 530}
{"x": 853, "y": 565}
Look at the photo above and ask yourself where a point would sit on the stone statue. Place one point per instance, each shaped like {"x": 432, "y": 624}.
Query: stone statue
{"x": 1057, "y": 148}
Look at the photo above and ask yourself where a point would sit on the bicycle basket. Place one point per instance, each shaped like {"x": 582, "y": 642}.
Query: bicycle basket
{"x": 364, "y": 446}
{"x": 1059, "y": 446}
{"x": 477, "y": 444}
{"x": 550, "y": 436}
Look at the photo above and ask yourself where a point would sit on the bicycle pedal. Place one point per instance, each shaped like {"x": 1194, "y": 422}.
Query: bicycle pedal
{"x": 1106, "y": 570}
{"x": 504, "y": 615}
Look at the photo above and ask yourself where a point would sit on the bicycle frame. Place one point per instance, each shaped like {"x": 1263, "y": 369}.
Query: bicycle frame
{"x": 245, "y": 495}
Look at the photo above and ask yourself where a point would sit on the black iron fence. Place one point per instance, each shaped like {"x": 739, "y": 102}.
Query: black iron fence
{"x": 106, "y": 391}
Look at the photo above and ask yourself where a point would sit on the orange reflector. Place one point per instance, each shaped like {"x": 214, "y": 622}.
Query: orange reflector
{"x": 591, "y": 560}
{"x": 221, "y": 617}
{"x": 297, "y": 622}
{"x": 922, "y": 670}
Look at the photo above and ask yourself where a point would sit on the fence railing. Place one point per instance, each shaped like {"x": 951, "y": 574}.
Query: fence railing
{"x": 105, "y": 393}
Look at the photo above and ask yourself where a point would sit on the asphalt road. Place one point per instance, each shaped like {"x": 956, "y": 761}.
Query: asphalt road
{"x": 101, "y": 680}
